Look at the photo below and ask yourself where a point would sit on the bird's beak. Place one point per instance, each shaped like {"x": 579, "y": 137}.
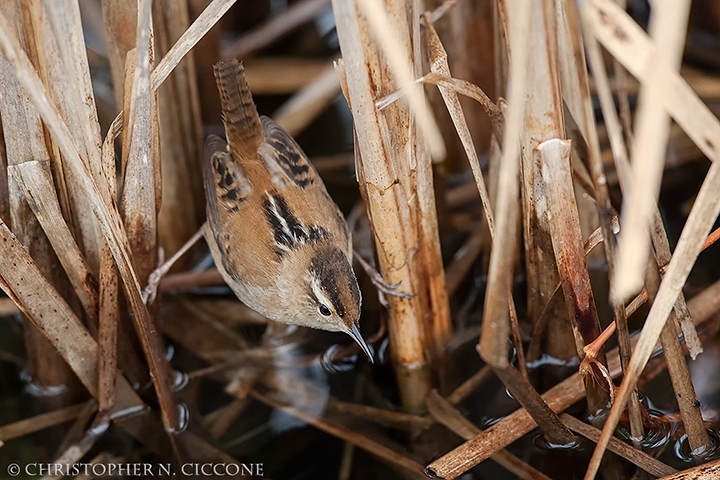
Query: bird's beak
{"x": 354, "y": 332}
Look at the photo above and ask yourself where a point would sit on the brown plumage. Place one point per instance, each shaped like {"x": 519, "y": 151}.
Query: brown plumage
{"x": 275, "y": 234}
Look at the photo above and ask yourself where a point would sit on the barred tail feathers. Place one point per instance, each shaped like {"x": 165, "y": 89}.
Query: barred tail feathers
{"x": 242, "y": 123}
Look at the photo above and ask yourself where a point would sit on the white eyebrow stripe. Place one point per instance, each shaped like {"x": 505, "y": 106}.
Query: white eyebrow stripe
{"x": 319, "y": 294}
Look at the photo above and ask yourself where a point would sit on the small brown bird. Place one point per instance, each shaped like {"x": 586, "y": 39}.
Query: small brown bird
{"x": 276, "y": 236}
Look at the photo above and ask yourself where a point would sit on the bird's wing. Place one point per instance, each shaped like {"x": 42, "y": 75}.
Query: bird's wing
{"x": 226, "y": 188}
{"x": 284, "y": 158}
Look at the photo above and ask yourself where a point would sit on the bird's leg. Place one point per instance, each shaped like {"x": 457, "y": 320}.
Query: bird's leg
{"x": 149, "y": 292}
{"x": 377, "y": 279}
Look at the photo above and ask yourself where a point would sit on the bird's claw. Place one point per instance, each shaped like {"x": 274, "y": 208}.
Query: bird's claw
{"x": 380, "y": 283}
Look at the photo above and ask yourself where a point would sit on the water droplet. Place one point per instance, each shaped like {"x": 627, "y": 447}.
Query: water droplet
{"x": 655, "y": 438}
{"x": 37, "y": 390}
{"x": 544, "y": 444}
{"x": 383, "y": 351}
{"x": 179, "y": 380}
{"x": 183, "y": 419}
{"x": 684, "y": 453}
{"x": 332, "y": 363}
{"x": 430, "y": 473}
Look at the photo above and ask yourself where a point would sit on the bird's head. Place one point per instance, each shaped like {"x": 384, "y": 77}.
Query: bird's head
{"x": 331, "y": 297}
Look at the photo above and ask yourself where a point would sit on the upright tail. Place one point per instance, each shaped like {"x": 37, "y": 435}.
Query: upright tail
{"x": 242, "y": 123}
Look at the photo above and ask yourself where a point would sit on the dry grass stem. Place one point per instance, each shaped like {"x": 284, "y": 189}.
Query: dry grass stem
{"x": 698, "y": 122}
{"x": 453, "y": 464}
{"x": 685, "y": 395}
{"x": 402, "y": 72}
{"x": 444, "y": 412}
{"x": 309, "y": 102}
{"x": 39, "y": 422}
{"x": 493, "y": 346}
{"x": 564, "y": 229}
{"x": 299, "y": 13}
{"x": 638, "y": 457}
{"x": 668, "y": 24}
{"x": 344, "y": 433}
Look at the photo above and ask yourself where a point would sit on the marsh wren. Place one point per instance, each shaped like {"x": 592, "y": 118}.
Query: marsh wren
{"x": 277, "y": 238}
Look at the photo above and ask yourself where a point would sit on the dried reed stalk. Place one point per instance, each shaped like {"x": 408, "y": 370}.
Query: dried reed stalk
{"x": 575, "y": 85}
{"x": 701, "y": 125}
{"x": 685, "y": 395}
{"x": 667, "y": 28}
{"x": 183, "y": 200}
{"x": 453, "y": 464}
{"x": 310, "y": 101}
{"x": 25, "y": 144}
{"x": 499, "y": 306}
{"x": 444, "y": 413}
{"x": 296, "y": 15}
{"x": 391, "y": 168}
{"x": 564, "y": 229}
{"x": 108, "y": 303}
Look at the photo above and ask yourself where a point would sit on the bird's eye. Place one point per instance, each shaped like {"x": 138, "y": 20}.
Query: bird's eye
{"x": 324, "y": 310}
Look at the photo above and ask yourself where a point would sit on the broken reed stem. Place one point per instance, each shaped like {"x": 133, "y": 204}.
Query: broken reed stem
{"x": 564, "y": 223}
{"x": 543, "y": 120}
{"x": 533, "y": 351}
{"x": 493, "y": 347}
{"x": 577, "y": 92}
